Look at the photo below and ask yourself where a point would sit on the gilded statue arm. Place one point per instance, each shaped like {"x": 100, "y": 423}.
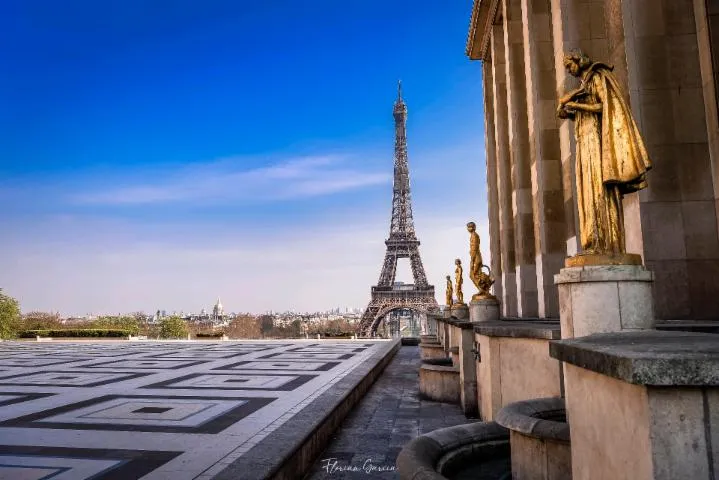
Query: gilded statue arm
{"x": 584, "y": 107}
{"x": 572, "y": 95}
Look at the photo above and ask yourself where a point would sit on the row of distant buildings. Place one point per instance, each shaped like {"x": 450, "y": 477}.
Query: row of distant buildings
{"x": 218, "y": 317}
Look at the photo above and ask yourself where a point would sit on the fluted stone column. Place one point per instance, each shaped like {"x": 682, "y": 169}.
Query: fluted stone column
{"x": 518, "y": 130}
{"x": 544, "y": 152}
{"x": 493, "y": 197}
{"x": 504, "y": 179}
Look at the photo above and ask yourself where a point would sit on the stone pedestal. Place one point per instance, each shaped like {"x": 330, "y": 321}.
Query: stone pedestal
{"x": 604, "y": 298}
{"x": 467, "y": 371}
{"x": 460, "y": 311}
{"x": 447, "y": 312}
{"x": 642, "y": 405}
{"x": 484, "y": 310}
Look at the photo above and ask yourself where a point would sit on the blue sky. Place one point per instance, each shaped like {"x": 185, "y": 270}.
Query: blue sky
{"x": 157, "y": 154}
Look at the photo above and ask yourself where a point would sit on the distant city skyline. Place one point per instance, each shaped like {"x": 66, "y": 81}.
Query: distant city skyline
{"x": 151, "y": 158}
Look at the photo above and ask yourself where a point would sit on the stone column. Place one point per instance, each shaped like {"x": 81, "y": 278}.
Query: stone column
{"x": 508, "y": 300}
{"x": 544, "y": 152}
{"x": 678, "y": 215}
{"x": 706, "y": 16}
{"x": 492, "y": 193}
{"x": 519, "y": 159}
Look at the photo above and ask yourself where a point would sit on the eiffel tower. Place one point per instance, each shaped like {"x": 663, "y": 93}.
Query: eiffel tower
{"x": 402, "y": 243}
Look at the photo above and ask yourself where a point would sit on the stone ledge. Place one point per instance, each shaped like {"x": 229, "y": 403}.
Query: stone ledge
{"x": 545, "y": 330}
{"x": 605, "y": 273}
{"x": 465, "y": 324}
{"x": 419, "y": 459}
{"x": 646, "y": 358}
{"x": 289, "y": 451}
{"x": 441, "y": 367}
{"x": 688, "y": 326}
{"x": 536, "y": 418}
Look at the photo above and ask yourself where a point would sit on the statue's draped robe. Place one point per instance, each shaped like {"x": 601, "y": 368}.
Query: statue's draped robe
{"x": 611, "y": 161}
{"x": 475, "y": 257}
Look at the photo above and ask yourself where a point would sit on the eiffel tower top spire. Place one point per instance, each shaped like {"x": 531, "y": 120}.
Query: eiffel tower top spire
{"x": 402, "y": 226}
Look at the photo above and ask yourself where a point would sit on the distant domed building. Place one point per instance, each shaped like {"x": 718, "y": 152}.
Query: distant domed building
{"x": 217, "y": 310}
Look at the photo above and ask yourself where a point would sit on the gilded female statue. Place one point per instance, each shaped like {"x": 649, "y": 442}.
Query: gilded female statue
{"x": 449, "y": 293}
{"x": 611, "y": 159}
{"x": 483, "y": 281}
{"x": 458, "y": 281}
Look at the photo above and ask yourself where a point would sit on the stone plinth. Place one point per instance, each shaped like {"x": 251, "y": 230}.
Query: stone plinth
{"x": 642, "y": 405}
{"x": 439, "y": 383}
{"x": 602, "y": 299}
{"x": 467, "y": 370}
{"x": 460, "y": 311}
{"x": 429, "y": 350}
{"x": 504, "y": 351}
{"x": 484, "y": 310}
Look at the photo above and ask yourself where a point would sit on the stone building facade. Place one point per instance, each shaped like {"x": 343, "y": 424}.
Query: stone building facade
{"x": 666, "y": 56}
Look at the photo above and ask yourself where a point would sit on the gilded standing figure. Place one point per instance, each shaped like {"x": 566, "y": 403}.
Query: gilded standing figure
{"x": 611, "y": 159}
{"x": 483, "y": 281}
{"x": 458, "y": 281}
{"x": 449, "y": 294}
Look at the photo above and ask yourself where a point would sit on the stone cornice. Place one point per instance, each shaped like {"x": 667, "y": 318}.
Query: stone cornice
{"x": 480, "y": 29}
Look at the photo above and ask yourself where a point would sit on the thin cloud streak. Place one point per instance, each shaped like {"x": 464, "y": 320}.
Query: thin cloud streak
{"x": 224, "y": 181}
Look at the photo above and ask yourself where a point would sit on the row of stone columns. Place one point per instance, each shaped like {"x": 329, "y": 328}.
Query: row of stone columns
{"x": 661, "y": 51}
{"x": 524, "y": 164}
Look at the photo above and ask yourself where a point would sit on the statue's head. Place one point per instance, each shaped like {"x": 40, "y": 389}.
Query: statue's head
{"x": 471, "y": 227}
{"x": 449, "y": 279}
{"x": 576, "y": 62}
{"x": 458, "y": 262}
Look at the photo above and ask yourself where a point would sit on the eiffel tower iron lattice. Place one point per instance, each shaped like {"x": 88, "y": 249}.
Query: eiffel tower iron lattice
{"x": 402, "y": 243}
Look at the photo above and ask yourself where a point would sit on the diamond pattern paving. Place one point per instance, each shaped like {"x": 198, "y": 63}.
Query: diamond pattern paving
{"x": 155, "y": 410}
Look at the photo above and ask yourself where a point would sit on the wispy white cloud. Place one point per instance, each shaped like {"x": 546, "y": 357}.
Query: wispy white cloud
{"x": 227, "y": 180}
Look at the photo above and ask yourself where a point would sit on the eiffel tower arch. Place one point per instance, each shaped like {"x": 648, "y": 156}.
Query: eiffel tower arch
{"x": 387, "y": 295}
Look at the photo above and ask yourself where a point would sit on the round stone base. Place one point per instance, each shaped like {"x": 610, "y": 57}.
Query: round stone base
{"x": 460, "y": 311}
{"x": 603, "y": 299}
{"x": 484, "y": 310}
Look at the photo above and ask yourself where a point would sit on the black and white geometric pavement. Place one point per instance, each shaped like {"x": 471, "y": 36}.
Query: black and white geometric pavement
{"x": 154, "y": 410}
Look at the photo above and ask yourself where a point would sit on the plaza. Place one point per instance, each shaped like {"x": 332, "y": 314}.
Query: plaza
{"x": 181, "y": 410}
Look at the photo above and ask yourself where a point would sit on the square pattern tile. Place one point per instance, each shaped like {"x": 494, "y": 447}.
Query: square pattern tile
{"x": 139, "y": 413}
{"x": 68, "y": 378}
{"x": 236, "y": 381}
{"x": 143, "y": 363}
{"x": 58, "y": 463}
{"x": 155, "y": 410}
{"x": 280, "y": 365}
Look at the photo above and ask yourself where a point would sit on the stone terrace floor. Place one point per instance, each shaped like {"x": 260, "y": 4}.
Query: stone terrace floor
{"x": 390, "y": 415}
{"x": 179, "y": 410}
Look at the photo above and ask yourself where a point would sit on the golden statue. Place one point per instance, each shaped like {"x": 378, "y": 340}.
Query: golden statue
{"x": 611, "y": 159}
{"x": 458, "y": 281}
{"x": 449, "y": 294}
{"x": 483, "y": 281}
